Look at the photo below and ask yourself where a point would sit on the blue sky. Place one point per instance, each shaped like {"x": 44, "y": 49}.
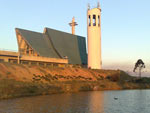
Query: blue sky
{"x": 125, "y": 25}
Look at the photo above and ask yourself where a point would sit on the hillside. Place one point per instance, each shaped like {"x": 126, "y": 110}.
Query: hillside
{"x": 26, "y": 72}
{"x": 18, "y": 80}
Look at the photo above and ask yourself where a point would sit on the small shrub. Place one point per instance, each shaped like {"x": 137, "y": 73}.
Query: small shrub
{"x": 8, "y": 73}
{"x": 108, "y": 77}
{"x": 85, "y": 88}
{"x": 103, "y": 86}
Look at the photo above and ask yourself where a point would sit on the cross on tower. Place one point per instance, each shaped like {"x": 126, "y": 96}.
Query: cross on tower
{"x": 73, "y": 24}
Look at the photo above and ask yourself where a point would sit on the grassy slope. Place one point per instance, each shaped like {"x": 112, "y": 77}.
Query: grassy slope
{"x": 22, "y": 80}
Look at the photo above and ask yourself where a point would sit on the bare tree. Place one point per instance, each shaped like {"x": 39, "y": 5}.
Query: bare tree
{"x": 139, "y": 65}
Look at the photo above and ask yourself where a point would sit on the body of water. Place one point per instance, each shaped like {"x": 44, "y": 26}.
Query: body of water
{"x": 127, "y": 101}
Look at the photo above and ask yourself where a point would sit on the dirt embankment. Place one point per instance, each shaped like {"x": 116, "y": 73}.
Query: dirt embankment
{"x": 24, "y": 80}
{"x": 27, "y": 73}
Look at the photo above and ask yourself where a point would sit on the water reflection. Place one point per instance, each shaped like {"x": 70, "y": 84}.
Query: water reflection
{"x": 59, "y": 103}
{"x": 96, "y": 102}
{"x": 133, "y": 101}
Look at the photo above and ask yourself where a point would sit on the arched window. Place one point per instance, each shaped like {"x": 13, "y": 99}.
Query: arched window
{"x": 94, "y": 20}
{"x": 89, "y": 20}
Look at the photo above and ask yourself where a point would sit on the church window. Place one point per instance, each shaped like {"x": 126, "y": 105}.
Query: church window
{"x": 89, "y": 20}
{"x": 94, "y": 20}
{"x": 98, "y": 20}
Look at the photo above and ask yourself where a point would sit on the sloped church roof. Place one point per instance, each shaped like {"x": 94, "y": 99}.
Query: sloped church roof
{"x": 56, "y": 44}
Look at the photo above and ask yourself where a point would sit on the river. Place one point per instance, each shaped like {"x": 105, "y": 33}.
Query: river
{"x": 127, "y": 101}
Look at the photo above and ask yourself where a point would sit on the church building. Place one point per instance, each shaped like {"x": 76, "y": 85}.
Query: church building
{"x": 52, "y": 44}
{"x": 57, "y": 47}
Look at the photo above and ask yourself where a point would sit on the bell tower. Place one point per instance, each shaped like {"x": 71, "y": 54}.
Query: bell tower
{"x": 94, "y": 37}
